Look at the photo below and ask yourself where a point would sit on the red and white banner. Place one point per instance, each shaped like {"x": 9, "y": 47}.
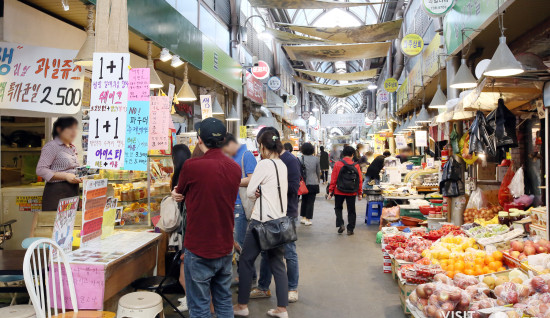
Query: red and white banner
{"x": 255, "y": 89}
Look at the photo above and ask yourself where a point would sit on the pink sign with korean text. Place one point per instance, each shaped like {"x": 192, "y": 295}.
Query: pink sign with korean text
{"x": 255, "y": 89}
{"x": 160, "y": 121}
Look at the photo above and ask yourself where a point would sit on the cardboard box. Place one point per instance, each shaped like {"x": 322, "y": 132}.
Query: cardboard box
{"x": 538, "y": 231}
{"x": 487, "y": 173}
{"x": 501, "y": 171}
{"x": 405, "y": 289}
{"x": 539, "y": 217}
{"x": 404, "y": 304}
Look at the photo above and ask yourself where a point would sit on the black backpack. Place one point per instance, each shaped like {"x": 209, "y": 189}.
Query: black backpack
{"x": 348, "y": 178}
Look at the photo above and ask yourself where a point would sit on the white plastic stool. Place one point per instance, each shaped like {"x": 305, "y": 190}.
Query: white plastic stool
{"x": 18, "y": 311}
{"x": 140, "y": 305}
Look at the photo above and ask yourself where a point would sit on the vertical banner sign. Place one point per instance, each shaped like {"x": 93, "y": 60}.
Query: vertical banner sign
{"x": 242, "y": 132}
{"x": 160, "y": 120}
{"x": 137, "y": 120}
{"x": 109, "y": 100}
{"x": 39, "y": 79}
{"x": 64, "y": 223}
{"x": 94, "y": 199}
{"x": 421, "y": 138}
{"x": 206, "y": 106}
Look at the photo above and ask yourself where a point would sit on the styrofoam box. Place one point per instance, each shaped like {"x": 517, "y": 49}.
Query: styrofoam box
{"x": 538, "y": 231}
{"x": 539, "y": 217}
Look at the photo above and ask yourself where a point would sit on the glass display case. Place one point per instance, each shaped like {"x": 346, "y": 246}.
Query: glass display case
{"x": 139, "y": 193}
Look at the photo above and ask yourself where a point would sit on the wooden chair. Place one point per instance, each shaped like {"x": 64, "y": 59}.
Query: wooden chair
{"x": 42, "y": 284}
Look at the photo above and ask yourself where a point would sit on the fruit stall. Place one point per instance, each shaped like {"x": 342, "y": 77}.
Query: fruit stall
{"x": 490, "y": 267}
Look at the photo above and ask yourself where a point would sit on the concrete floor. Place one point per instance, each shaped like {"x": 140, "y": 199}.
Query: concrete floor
{"x": 340, "y": 275}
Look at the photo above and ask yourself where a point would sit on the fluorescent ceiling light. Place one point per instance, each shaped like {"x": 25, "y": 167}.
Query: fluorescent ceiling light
{"x": 176, "y": 61}
{"x": 165, "y": 55}
{"x": 372, "y": 86}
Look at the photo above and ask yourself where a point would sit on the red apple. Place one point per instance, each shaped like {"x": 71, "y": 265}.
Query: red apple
{"x": 522, "y": 256}
{"x": 542, "y": 249}
{"x": 517, "y": 246}
{"x": 515, "y": 254}
{"x": 539, "y": 284}
{"x": 529, "y": 250}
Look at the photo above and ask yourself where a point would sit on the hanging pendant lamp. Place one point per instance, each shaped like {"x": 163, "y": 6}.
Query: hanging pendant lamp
{"x": 85, "y": 56}
{"x": 423, "y": 117}
{"x": 439, "y": 100}
{"x": 464, "y": 78}
{"x": 154, "y": 79}
{"x": 251, "y": 122}
{"x": 503, "y": 63}
{"x": 233, "y": 115}
{"x": 216, "y": 107}
{"x": 185, "y": 93}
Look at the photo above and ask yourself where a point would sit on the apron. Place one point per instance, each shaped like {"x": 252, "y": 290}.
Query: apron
{"x": 53, "y": 192}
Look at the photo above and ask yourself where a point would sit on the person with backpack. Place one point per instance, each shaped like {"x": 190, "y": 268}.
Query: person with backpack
{"x": 311, "y": 170}
{"x": 345, "y": 185}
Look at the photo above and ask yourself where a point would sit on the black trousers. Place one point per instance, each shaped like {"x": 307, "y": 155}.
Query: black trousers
{"x": 55, "y": 191}
{"x": 339, "y": 206}
{"x": 308, "y": 202}
{"x": 251, "y": 250}
{"x": 324, "y": 175}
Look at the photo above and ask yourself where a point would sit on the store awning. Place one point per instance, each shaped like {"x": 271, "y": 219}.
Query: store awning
{"x": 339, "y": 91}
{"x": 307, "y": 4}
{"x": 356, "y": 76}
{"x": 291, "y": 38}
{"x": 362, "y": 34}
{"x": 333, "y": 53}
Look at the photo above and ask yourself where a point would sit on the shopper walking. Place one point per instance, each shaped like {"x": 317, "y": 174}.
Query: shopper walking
{"x": 311, "y": 169}
{"x": 372, "y": 176}
{"x": 334, "y": 156}
{"x": 246, "y": 161}
{"x": 58, "y": 162}
{"x": 268, "y": 182}
{"x": 324, "y": 161}
{"x": 345, "y": 185}
{"x": 209, "y": 186}
{"x": 291, "y": 257}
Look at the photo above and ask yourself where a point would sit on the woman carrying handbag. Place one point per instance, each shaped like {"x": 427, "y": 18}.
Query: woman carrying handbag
{"x": 268, "y": 183}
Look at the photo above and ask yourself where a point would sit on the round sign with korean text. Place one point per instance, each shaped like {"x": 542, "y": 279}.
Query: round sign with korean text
{"x": 292, "y": 100}
{"x": 371, "y": 116}
{"x": 383, "y": 96}
{"x": 390, "y": 85}
{"x": 437, "y": 8}
{"x": 274, "y": 83}
{"x": 261, "y": 71}
{"x": 305, "y": 115}
{"x": 412, "y": 44}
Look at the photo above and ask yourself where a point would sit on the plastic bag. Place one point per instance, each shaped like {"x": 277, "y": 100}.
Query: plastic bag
{"x": 464, "y": 144}
{"x": 463, "y": 280}
{"x": 454, "y": 141}
{"x": 436, "y": 299}
{"x": 517, "y": 186}
{"x": 477, "y": 200}
{"x": 512, "y": 293}
{"x": 504, "y": 195}
{"x": 505, "y": 126}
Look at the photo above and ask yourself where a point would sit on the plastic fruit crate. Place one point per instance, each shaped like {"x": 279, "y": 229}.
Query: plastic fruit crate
{"x": 406, "y": 210}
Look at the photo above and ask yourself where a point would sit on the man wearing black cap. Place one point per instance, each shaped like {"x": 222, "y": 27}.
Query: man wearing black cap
{"x": 209, "y": 185}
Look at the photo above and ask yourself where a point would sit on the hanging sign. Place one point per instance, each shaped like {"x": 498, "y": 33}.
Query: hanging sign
{"x": 108, "y": 104}
{"x": 390, "y": 85}
{"x": 400, "y": 142}
{"x": 255, "y": 89}
{"x": 137, "y": 120}
{"x": 206, "y": 106}
{"x": 306, "y": 115}
{"x": 261, "y": 71}
{"x": 39, "y": 79}
{"x": 383, "y": 96}
{"x": 412, "y": 44}
{"x": 437, "y": 8}
{"x": 421, "y": 138}
{"x": 274, "y": 83}
{"x": 292, "y": 100}
{"x": 64, "y": 223}
{"x": 371, "y": 115}
{"x": 343, "y": 120}
{"x": 242, "y": 132}
{"x": 159, "y": 116}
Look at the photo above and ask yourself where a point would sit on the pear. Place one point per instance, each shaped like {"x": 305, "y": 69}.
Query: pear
{"x": 490, "y": 281}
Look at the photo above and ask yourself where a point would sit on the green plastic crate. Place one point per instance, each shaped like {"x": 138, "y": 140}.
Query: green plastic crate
{"x": 414, "y": 213}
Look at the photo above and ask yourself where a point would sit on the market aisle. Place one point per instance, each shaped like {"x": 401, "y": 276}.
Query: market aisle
{"x": 340, "y": 275}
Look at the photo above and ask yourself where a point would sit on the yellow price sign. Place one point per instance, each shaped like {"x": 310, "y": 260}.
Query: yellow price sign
{"x": 390, "y": 85}
{"x": 412, "y": 44}
{"x": 242, "y": 132}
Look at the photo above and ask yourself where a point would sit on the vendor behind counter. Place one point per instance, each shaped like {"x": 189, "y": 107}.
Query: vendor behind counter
{"x": 58, "y": 163}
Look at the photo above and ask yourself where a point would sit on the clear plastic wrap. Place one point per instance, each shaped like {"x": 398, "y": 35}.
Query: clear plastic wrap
{"x": 436, "y": 299}
{"x": 463, "y": 281}
{"x": 512, "y": 293}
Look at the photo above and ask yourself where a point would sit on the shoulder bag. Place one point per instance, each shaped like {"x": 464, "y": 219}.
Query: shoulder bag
{"x": 248, "y": 205}
{"x": 303, "y": 187}
{"x": 277, "y": 232}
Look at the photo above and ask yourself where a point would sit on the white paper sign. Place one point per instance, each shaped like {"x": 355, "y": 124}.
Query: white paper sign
{"x": 343, "y": 120}
{"x": 430, "y": 162}
{"x": 39, "y": 79}
{"x": 437, "y": 8}
{"x": 171, "y": 91}
{"x": 421, "y": 138}
{"x": 400, "y": 142}
{"x": 206, "y": 106}
{"x": 109, "y": 100}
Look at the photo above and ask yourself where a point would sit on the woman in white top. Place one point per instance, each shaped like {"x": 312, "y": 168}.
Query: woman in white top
{"x": 273, "y": 203}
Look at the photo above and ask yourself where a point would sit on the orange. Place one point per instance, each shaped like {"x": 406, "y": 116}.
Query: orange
{"x": 479, "y": 261}
{"x": 494, "y": 266}
{"x": 459, "y": 266}
{"x": 450, "y": 267}
{"x": 489, "y": 259}
{"x": 500, "y": 269}
{"x": 499, "y": 263}
{"x": 451, "y": 274}
{"x": 469, "y": 265}
{"x": 443, "y": 266}
{"x": 469, "y": 272}
{"x": 444, "y": 262}
{"x": 497, "y": 256}
{"x": 486, "y": 270}
{"x": 478, "y": 271}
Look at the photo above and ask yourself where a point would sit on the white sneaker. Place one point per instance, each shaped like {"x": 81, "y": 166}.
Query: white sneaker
{"x": 183, "y": 304}
{"x": 303, "y": 220}
{"x": 241, "y": 313}
{"x": 308, "y": 223}
{"x": 293, "y": 295}
{"x": 273, "y": 313}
